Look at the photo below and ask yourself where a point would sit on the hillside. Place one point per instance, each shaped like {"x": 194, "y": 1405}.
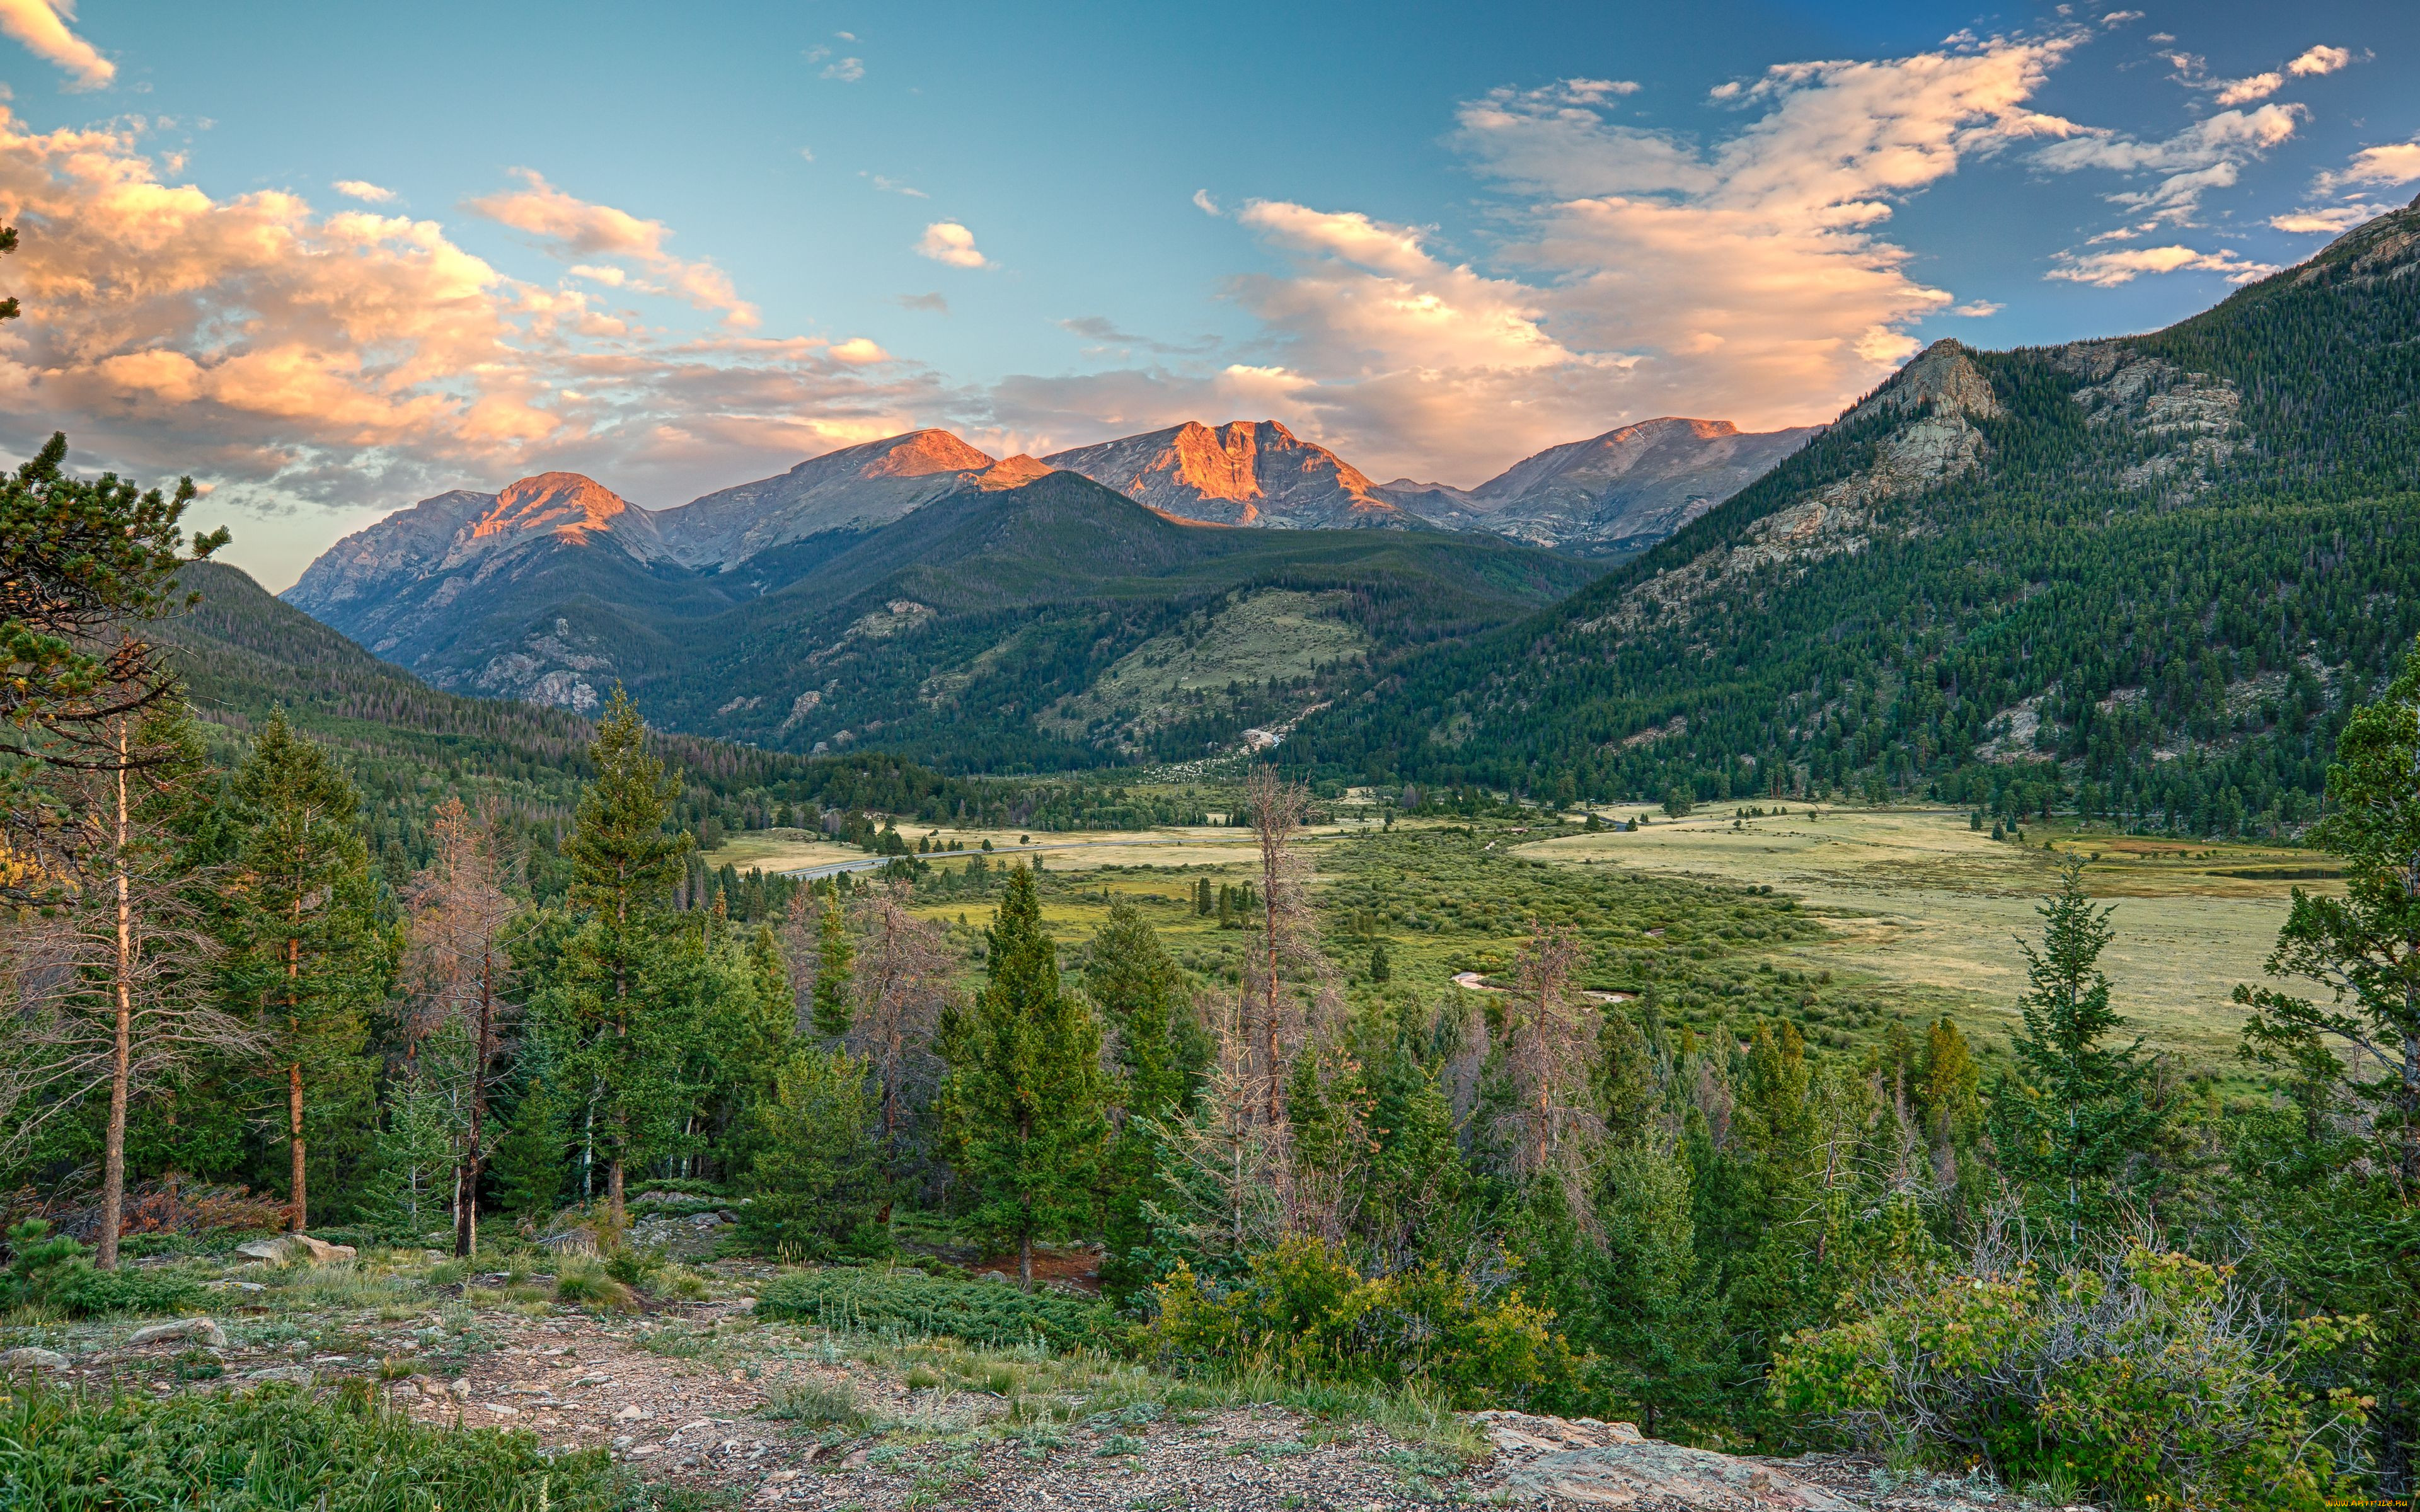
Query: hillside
{"x": 1244, "y": 472}
{"x": 2145, "y": 574}
{"x": 408, "y": 746}
{"x": 957, "y": 632}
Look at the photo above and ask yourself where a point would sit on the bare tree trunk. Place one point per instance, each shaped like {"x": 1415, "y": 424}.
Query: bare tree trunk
{"x": 299, "y": 1212}
{"x": 113, "y": 1160}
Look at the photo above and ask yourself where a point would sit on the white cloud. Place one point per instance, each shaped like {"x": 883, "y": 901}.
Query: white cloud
{"x": 569, "y": 227}
{"x": 1202, "y": 202}
{"x": 2119, "y": 17}
{"x": 2398, "y": 162}
{"x": 1978, "y": 309}
{"x": 2244, "y": 91}
{"x": 355, "y": 360}
{"x": 2107, "y": 269}
{"x": 947, "y": 241}
{"x": 2333, "y": 221}
{"x": 1637, "y": 272}
{"x": 2208, "y": 154}
{"x": 2320, "y": 60}
{"x": 42, "y": 27}
{"x": 848, "y": 69}
{"x": 893, "y": 186}
{"x": 363, "y": 190}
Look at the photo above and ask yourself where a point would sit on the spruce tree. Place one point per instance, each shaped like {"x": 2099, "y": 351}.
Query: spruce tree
{"x": 1021, "y": 1106}
{"x": 2073, "y": 1113}
{"x": 627, "y": 1002}
{"x": 835, "y": 969}
{"x": 1131, "y": 977}
{"x": 307, "y": 956}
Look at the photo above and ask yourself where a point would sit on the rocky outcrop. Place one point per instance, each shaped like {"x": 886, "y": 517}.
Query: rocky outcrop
{"x": 1583, "y": 1462}
{"x": 1245, "y": 472}
{"x": 286, "y": 1248}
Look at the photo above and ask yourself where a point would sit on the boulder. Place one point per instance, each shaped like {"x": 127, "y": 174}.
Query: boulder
{"x": 199, "y": 1330}
{"x": 1583, "y": 1462}
{"x": 30, "y": 1358}
{"x": 286, "y": 1248}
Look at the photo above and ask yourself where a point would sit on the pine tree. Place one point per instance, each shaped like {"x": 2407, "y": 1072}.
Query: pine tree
{"x": 835, "y": 967}
{"x": 2074, "y": 1112}
{"x": 1021, "y": 1104}
{"x": 2348, "y": 1229}
{"x": 629, "y": 998}
{"x": 817, "y": 1188}
{"x": 306, "y": 954}
{"x": 1138, "y": 988}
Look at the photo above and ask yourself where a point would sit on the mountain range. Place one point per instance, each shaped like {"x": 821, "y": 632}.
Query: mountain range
{"x": 2147, "y": 573}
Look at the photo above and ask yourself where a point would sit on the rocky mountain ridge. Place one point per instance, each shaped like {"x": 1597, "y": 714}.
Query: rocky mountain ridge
{"x": 1611, "y": 494}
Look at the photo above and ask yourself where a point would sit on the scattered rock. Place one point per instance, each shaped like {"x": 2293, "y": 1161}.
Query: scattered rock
{"x": 299, "y": 1374}
{"x": 631, "y": 1413}
{"x": 1589, "y": 1463}
{"x": 199, "y": 1330}
{"x": 30, "y": 1358}
{"x": 501, "y": 1409}
{"x": 404, "y": 1391}
{"x": 459, "y": 1389}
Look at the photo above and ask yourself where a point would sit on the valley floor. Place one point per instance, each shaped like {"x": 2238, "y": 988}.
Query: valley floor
{"x": 1920, "y": 901}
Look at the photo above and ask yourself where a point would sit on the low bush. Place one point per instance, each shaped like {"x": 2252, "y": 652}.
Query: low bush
{"x": 50, "y": 1270}
{"x": 277, "y": 1449}
{"x": 584, "y": 1283}
{"x": 2151, "y": 1377}
{"x": 1304, "y": 1311}
{"x": 880, "y": 1299}
{"x": 814, "y": 1403}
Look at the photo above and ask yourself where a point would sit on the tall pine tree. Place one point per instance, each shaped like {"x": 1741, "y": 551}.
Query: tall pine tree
{"x": 627, "y": 999}
{"x": 307, "y": 956}
{"x": 1021, "y": 1108}
{"x": 835, "y": 969}
{"x": 2074, "y": 1112}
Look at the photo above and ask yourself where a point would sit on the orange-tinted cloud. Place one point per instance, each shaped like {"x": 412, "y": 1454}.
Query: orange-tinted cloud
{"x": 42, "y": 26}
{"x": 363, "y": 359}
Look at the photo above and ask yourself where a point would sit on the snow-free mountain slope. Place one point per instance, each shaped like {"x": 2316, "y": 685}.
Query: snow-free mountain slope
{"x": 1615, "y": 493}
{"x": 854, "y": 488}
{"x": 1244, "y": 472}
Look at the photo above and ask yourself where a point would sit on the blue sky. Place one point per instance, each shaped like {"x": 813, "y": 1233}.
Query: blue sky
{"x": 681, "y": 247}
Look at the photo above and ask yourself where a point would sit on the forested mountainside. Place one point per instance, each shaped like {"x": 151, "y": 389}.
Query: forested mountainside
{"x": 240, "y": 653}
{"x": 1013, "y": 619}
{"x": 2146, "y": 575}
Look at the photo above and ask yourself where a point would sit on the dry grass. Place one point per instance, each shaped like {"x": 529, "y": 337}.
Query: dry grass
{"x": 1918, "y": 899}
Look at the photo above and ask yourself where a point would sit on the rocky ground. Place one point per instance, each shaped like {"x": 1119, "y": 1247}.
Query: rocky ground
{"x": 762, "y": 1414}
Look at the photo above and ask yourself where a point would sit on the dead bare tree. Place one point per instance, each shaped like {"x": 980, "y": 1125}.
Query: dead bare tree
{"x": 110, "y": 988}
{"x": 903, "y": 970}
{"x": 1228, "y": 1167}
{"x": 1548, "y": 1122}
{"x": 458, "y": 969}
{"x": 1286, "y": 949}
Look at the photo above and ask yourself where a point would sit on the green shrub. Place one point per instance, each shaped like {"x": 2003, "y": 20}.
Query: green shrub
{"x": 876, "y": 1300}
{"x": 586, "y": 1283}
{"x": 275, "y": 1450}
{"x": 2151, "y": 1377}
{"x": 1303, "y": 1310}
{"x": 53, "y": 1270}
{"x": 814, "y": 1403}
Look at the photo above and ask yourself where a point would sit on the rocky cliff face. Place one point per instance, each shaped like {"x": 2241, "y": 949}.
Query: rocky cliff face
{"x": 1622, "y": 491}
{"x": 854, "y": 488}
{"x": 463, "y": 530}
{"x": 1245, "y": 472}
